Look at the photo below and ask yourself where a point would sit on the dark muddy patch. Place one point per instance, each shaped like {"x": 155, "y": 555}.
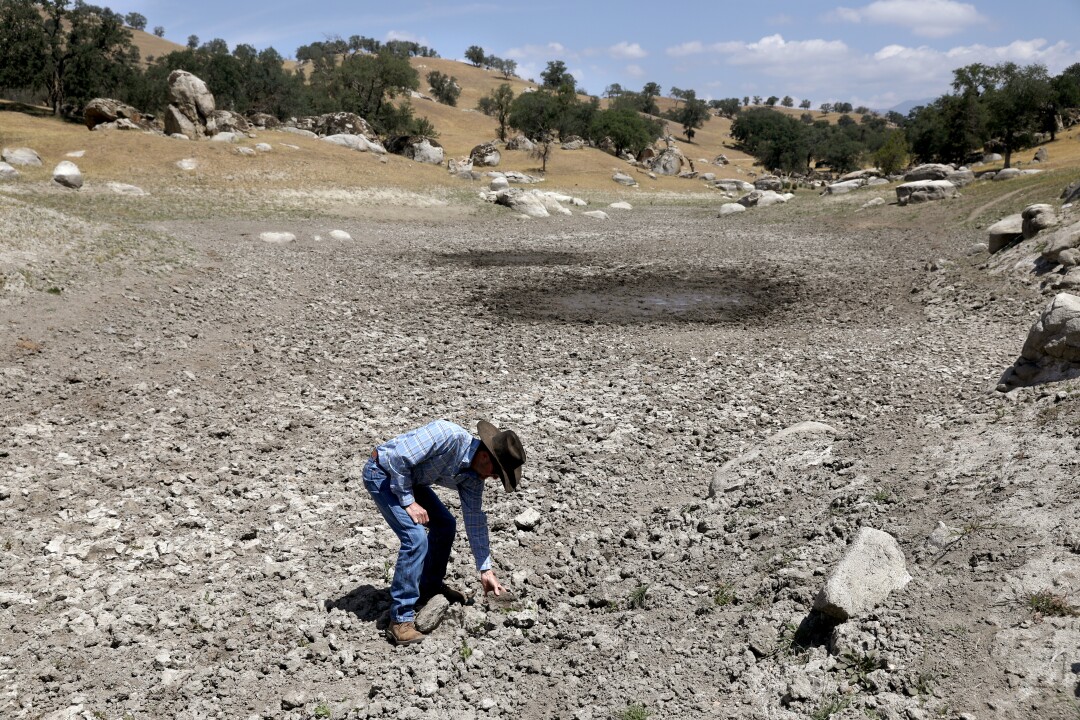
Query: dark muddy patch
{"x": 497, "y": 258}
{"x": 710, "y": 297}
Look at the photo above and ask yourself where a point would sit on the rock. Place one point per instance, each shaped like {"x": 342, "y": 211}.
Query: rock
{"x": 872, "y": 567}
{"x": 432, "y": 613}
{"x": 485, "y": 155}
{"x": 67, "y": 174}
{"x": 263, "y": 147}
{"x": 1071, "y": 193}
{"x": 762, "y": 198}
{"x": 527, "y": 520}
{"x": 1055, "y": 335}
{"x": 992, "y": 158}
{"x": 961, "y": 178}
{"x": 499, "y": 183}
{"x": 518, "y": 177}
{"x": 733, "y": 185}
{"x": 1040, "y": 155}
{"x": 669, "y": 162}
{"x": 355, "y": 142}
{"x": 943, "y": 536}
{"x": 187, "y": 164}
{"x": 930, "y": 171}
{"x": 875, "y": 202}
{"x": 264, "y": 120}
{"x": 21, "y": 156}
{"x": 621, "y": 206}
{"x": 523, "y": 619}
{"x": 340, "y": 235}
{"x": 762, "y": 639}
{"x": 841, "y": 188}
{"x": 225, "y": 137}
{"x": 708, "y": 177}
{"x": 520, "y": 142}
{"x": 298, "y": 131}
{"x": 729, "y": 208}
{"x": 416, "y": 148}
{"x": 176, "y": 123}
{"x": 596, "y": 214}
{"x": 1004, "y": 232}
{"x": 1037, "y": 218}
{"x": 860, "y": 175}
{"x": 624, "y": 179}
{"x": 101, "y": 111}
{"x": 1007, "y": 174}
{"x": 336, "y": 123}
{"x": 720, "y": 160}
{"x": 462, "y": 168}
{"x": 249, "y": 152}
{"x": 1064, "y": 246}
{"x": 924, "y": 191}
{"x": 293, "y": 700}
{"x": 7, "y": 172}
{"x": 522, "y": 202}
{"x": 573, "y": 143}
{"x": 124, "y": 189}
{"x": 277, "y": 238}
{"x": 228, "y": 121}
{"x": 769, "y": 182}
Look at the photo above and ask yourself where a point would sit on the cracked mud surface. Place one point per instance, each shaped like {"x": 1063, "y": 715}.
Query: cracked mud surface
{"x": 183, "y": 533}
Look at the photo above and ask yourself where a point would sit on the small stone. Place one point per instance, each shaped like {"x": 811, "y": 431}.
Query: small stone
{"x": 621, "y": 206}
{"x": 527, "y": 520}
{"x": 944, "y": 536}
{"x": 872, "y": 567}
{"x": 293, "y": 700}
{"x": 187, "y": 163}
{"x": 339, "y": 235}
{"x": 432, "y": 613}
{"x": 596, "y": 214}
{"x": 277, "y": 238}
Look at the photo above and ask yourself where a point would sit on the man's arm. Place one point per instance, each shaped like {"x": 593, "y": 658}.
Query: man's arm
{"x": 476, "y": 528}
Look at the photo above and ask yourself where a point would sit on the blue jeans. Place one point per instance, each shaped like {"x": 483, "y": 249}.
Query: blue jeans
{"x": 424, "y": 553}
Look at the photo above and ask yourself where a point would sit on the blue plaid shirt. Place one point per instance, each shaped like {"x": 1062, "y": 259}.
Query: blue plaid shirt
{"x": 440, "y": 453}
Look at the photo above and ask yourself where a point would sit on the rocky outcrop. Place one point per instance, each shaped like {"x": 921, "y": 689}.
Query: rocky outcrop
{"x": 1063, "y": 247}
{"x": 355, "y": 142}
{"x": 339, "y": 123}
{"x": 769, "y": 182}
{"x": 924, "y": 191}
{"x": 930, "y": 171}
{"x": 733, "y": 185}
{"x": 1071, "y": 193}
{"x": 264, "y": 120}
{"x": 191, "y": 107}
{"x": 228, "y": 121}
{"x": 1041, "y": 155}
{"x": 418, "y": 149}
{"x": 573, "y": 142}
{"x": 520, "y": 142}
{"x": 845, "y": 186}
{"x": 669, "y": 162}
{"x": 961, "y": 178}
{"x": 1037, "y": 218}
{"x": 106, "y": 113}
{"x": 1052, "y": 349}
{"x": 485, "y": 155}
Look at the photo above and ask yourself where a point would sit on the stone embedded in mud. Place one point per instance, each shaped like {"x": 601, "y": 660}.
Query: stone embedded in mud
{"x": 527, "y": 520}
{"x": 432, "y": 613}
{"x": 872, "y": 567}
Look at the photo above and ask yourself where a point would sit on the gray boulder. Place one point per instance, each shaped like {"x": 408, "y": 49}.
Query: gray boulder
{"x": 1071, "y": 193}
{"x": 731, "y": 208}
{"x": 669, "y": 162}
{"x": 462, "y": 168}
{"x": 859, "y": 175}
{"x": 432, "y": 613}
{"x": 1064, "y": 246}
{"x": 102, "y": 111}
{"x": 526, "y": 203}
{"x": 485, "y": 155}
{"x": 624, "y": 179}
{"x": 762, "y": 198}
{"x": 1040, "y": 155}
{"x": 1007, "y": 174}
{"x": 338, "y": 123}
{"x": 924, "y": 191}
{"x": 520, "y": 142}
{"x": 930, "y": 171}
{"x": 845, "y": 186}
{"x": 872, "y": 567}
{"x": 189, "y": 98}
{"x": 20, "y": 156}
{"x": 1004, "y": 232}
{"x": 264, "y": 120}
{"x": 176, "y": 123}
{"x": 228, "y": 121}
{"x": 573, "y": 143}
{"x": 1056, "y": 334}
{"x": 418, "y": 149}
{"x": 67, "y": 174}
{"x": 1037, "y": 218}
{"x": 7, "y": 172}
{"x": 961, "y": 178}
{"x": 302, "y": 132}
{"x": 769, "y": 182}
{"x": 355, "y": 142}
{"x": 992, "y": 158}
{"x": 530, "y": 518}
{"x": 733, "y": 185}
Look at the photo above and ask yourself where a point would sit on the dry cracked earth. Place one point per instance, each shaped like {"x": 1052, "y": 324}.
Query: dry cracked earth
{"x": 184, "y": 534}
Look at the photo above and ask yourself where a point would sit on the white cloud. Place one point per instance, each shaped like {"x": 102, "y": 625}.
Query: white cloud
{"x": 634, "y": 70}
{"x": 550, "y": 51}
{"x": 687, "y": 48}
{"x": 406, "y": 36}
{"x": 928, "y": 18}
{"x": 627, "y": 51}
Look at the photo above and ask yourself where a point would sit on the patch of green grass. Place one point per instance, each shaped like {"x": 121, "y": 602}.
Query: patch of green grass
{"x": 633, "y": 712}
{"x": 1046, "y": 603}
{"x": 829, "y": 707}
{"x": 322, "y": 710}
{"x": 724, "y": 595}
{"x": 464, "y": 651}
{"x": 881, "y": 495}
{"x": 859, "y": 665}
{"x": 54, "y": 290}
{"x": 638, "y": 597}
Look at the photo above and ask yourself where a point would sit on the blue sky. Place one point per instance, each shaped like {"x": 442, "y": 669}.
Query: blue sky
{"x": 867, "y": 52}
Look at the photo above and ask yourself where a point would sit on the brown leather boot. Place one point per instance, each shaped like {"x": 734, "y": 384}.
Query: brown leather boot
{"x": 403, "y": 633}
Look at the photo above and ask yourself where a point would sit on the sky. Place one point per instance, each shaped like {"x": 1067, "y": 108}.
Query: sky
{"x": 877, "y": 53}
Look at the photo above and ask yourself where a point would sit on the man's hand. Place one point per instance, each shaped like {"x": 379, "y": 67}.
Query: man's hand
{"x": 490, "y": 583}
{"x": 417, "y": 513}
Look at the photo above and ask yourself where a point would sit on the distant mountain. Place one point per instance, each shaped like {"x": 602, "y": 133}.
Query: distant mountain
{"x": 905, "y": 107}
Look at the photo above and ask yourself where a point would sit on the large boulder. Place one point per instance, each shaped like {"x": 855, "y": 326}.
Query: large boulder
{"x": 961, "y": 178}
{"x": 845, "y": 186}
{"x": 416, "y": 148}
{"x": 624, "y": 179}
{"x": 1071, "y": 193}
{"x": 1052, "y": 349}
{"x": 1007, "y": 174}
{"x": 264, "y": 120}
{"x": 526, "y": 203}
{"x": 228, "y": 121}
{"x": 769, "y": 182}
{"x": 485, "y": 155}
{"x": 733, "y": 185}
{"x": 930, "y": 171}
{"x": 1040, "y": 155}
{"x": 520, "y": 142}
{"x": 574, "y": 142}
{"x": 762, "y": 198}
{"x": 355, "y": 142}
{"x": 189, "y": 98}
{"x": 859, "y": 175}
{"x": 731, "y": 208}
{"x": 1004, "y": 232}
{"x": 670, "y": 162}
{"x": 924, "y": 191}
{"x": 872, "y": 567}
{"x": 1037, "y": 218}
{"x": 103, "y": 111}
{"x": 21, "y": 156}
{"x": 338, "y": 123}
{"x": 462, "y": 168}
{"x": 1064, "y": 246}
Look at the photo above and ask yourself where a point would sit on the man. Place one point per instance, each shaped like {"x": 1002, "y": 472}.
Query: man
{"x": 399, "y": 475}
